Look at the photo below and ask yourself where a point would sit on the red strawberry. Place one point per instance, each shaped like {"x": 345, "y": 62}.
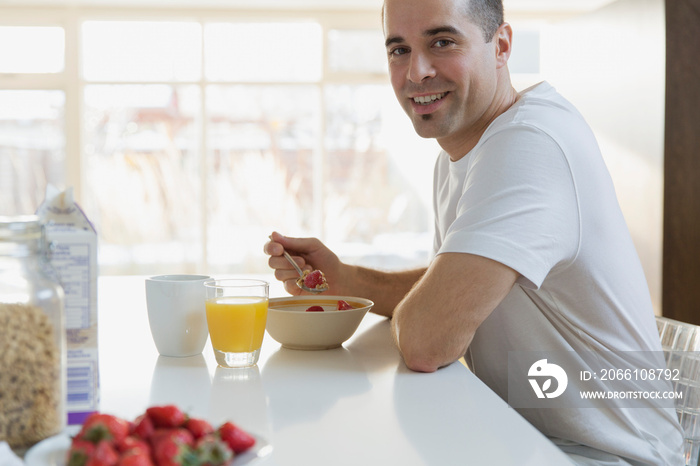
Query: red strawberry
{"x": 238, "y": 439}
{"x": 99, "y": 427}
{"x": 179, "y": 434}
{"x": 104, "y": 455}
{"x": 343, "y": 305}
{"x": 166, "y": 416}
{"x": 143, "y": 427}
{"x": 135, "y": 458}
{"x": 198, "y": 427}
{"x": 79, "y": 452}
{"x": 212, "y": 451}
{"x": 315, "y": 309}
{"x": 133, "y": 443}
{"x": 173, "y": 447}
{"x": 314, "y": 279}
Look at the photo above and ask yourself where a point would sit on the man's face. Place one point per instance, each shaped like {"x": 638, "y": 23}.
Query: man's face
{"x": 442, "y": 70}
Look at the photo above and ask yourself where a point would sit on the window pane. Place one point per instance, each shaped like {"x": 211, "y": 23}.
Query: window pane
{"x": 262, "y": 141}
{"x": 32, "y": 148}
{"x": 377, "y": 202}
{"x": 526, "y": 56}
{"x": 141, "y": 51}
{"x": 267, "y": 52}
{"x": 357, "y": 51}
{"x": 31, "y": 49}
{"x": 142, "y": 176}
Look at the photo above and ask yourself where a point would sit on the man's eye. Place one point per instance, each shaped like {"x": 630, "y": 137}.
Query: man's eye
{"x": 442, "y": 43}
{"x": 398, "y": 51}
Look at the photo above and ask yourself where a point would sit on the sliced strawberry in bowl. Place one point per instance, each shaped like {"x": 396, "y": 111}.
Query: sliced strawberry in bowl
{"x": 314, "y": 309}
{"x": 344, "y": 305}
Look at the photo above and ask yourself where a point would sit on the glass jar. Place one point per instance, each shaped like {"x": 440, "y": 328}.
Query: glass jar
{"x": 32, "y": 337}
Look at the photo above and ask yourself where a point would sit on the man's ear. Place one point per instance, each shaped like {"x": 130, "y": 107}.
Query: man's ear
{"x": 504, "y": 44}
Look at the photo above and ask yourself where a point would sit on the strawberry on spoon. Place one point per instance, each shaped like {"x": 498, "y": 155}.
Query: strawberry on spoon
{"x": 313, "y": 282}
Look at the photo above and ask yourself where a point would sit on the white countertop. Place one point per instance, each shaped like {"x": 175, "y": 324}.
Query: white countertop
{"x": 355, "y": 405}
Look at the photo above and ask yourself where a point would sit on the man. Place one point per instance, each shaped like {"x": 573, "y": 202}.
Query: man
{"x": 532, "y": 251}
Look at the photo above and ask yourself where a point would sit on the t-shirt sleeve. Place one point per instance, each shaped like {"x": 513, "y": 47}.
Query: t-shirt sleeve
{"x": 518, "y": 205}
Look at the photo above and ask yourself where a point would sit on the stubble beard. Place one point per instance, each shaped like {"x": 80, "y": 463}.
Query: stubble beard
{"x": 428, "y": 127}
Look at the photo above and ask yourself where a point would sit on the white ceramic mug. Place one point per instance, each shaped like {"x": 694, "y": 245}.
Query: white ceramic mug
{"x": 176, "y": 313}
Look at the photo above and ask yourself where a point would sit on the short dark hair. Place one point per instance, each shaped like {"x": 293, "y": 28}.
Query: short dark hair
{"x": 487, "y": 14}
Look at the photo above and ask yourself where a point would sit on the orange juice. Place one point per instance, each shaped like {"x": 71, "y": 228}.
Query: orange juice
{"x": 236, "y": 323}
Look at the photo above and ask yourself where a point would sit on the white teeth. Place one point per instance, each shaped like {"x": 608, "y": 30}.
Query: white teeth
{"x": 427, "y": 99}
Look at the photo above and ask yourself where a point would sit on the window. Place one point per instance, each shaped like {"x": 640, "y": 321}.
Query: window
{"x": 198, "y": 137}
{"x": 32, "y": 145}
{"x": 32, "y": 118}
{"x": 356, "y": 50}
{"x": 41, "y": 50}
{"x": 141, "y": 51}
{"x": 142, "y": 173}
{"x": 263, "y": 52}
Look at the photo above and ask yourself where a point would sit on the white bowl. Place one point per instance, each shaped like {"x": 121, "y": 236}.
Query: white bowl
{"x": 289, "y": 323}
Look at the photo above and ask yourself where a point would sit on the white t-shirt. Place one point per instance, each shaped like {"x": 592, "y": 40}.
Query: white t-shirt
{"x": 534, "y": 194}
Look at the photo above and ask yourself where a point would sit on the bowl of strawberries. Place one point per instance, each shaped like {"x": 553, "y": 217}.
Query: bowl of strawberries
{"x": 315, "y": 322}
{"x": 161, "y": 436}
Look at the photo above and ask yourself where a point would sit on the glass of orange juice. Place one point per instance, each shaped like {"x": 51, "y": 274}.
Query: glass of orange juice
{"x": 236, "y": 317}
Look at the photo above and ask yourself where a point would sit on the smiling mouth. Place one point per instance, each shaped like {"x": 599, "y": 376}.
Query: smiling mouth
{"x": 429, "y": 99}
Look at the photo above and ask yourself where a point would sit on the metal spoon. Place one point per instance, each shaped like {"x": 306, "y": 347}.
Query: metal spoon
{"x": 300, "y": 280}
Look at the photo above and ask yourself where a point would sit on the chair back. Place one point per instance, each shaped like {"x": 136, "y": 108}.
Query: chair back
{"x": 681, "y": 346}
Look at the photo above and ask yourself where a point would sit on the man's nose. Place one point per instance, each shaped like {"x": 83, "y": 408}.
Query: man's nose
{"x": 420, "y": 68}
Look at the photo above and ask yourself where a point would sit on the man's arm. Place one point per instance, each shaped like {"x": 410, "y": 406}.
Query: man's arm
{"x": 385, "y": 289}
{"x": 435, "y": 323}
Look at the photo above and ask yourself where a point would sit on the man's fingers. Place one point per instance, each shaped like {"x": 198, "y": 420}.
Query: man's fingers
{"x": 284, "y": 275}
{"x": 281, "y": 263}
{"x": 292, "y": 288}
{"x": 273, "y": 249}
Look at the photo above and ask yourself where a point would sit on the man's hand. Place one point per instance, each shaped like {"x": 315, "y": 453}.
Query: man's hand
{"x": 309, "y": 254}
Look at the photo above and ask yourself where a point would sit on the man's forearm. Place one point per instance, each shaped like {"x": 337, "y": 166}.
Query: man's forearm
{"x": 434, "y": 325}
{"x": 386, "y": 289}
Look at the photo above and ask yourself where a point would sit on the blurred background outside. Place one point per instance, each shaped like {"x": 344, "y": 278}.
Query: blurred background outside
{"x": 190, "y": 133}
